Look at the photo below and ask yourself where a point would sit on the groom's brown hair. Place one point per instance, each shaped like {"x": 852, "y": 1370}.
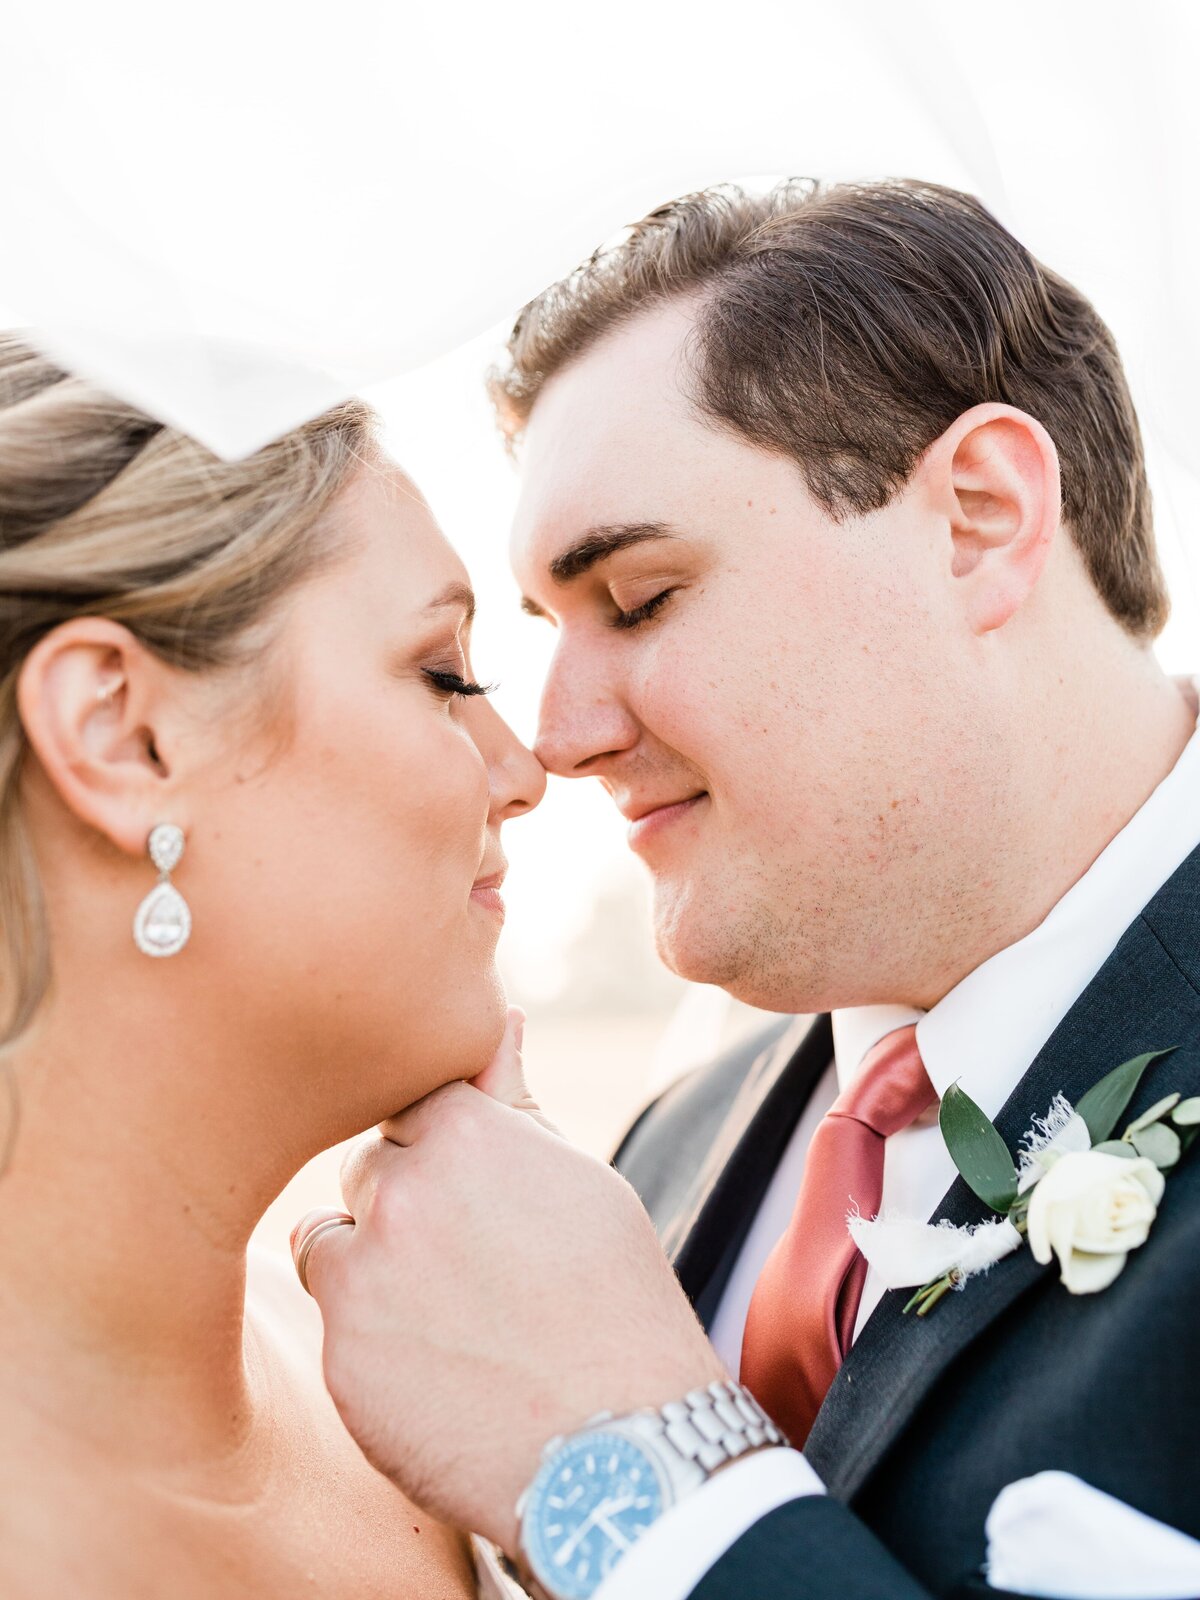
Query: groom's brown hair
{"x": 848, "y": 327}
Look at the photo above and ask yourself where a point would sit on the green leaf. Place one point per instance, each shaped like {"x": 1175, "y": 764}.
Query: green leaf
{"x": 1159, "y": 1144}
{"x": 1157, "y": 1110}
{"x": 977, "y": 1150}
{"x": 1101, "y": 1107}
{"x": 1116, "y": 1147}
{"x": 1187, "y": 1113}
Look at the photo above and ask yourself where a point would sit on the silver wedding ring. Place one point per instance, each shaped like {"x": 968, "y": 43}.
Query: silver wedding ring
{"x": 344, "y": 1220}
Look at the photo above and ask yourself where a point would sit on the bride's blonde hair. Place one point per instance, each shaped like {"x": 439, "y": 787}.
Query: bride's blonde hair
{"x": 106, "y": 512}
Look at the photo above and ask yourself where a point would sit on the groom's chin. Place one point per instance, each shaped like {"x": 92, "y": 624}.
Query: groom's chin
{"x": 690, "y": 941}
{"x": 745, "y": 949}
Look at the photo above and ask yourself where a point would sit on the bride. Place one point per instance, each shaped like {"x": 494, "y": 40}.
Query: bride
{"x": 260, "y": 668}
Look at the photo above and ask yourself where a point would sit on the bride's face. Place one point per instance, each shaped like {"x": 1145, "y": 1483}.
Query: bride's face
{"x": 350, "y": 868}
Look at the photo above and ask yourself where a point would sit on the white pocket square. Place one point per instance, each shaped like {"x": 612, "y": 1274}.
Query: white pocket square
{"x": 1056, "y": 1537}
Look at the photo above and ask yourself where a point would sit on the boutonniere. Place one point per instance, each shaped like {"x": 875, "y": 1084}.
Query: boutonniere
{"x": 1074, "y": 1191}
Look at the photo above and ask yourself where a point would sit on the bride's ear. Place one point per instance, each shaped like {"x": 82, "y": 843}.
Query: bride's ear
{"x": 100, "y": 716}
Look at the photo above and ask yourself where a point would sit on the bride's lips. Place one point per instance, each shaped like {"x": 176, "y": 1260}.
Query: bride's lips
{"x": 486, "y": 892}
{"x": 647, "y": 822}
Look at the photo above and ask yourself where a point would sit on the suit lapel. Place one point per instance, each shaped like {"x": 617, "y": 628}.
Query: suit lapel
{"x": 1138, "y": 1001}
{"x": 728, "y": 1190}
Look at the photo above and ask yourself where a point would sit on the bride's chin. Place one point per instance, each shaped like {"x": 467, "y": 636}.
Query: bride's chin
{"x": 420, "y": 1060}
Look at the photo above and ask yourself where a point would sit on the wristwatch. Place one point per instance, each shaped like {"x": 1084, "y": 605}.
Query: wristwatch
{"x": 598, "y": 1490}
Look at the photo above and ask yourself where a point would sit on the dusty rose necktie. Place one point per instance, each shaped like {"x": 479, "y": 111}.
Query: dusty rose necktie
{"x": 805, "y": 1302}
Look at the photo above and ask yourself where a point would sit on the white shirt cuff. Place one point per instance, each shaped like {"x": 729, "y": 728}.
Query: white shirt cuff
{"x": 672, "y": 1556}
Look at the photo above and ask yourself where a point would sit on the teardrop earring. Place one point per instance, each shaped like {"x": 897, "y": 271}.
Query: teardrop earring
{"x": 163, "y": 923}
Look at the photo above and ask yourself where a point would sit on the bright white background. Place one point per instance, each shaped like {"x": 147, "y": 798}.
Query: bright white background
{"x": 237, "y": 212}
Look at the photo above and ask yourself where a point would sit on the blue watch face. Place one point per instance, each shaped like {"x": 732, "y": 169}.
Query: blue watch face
{"x": 588, "y": 1505}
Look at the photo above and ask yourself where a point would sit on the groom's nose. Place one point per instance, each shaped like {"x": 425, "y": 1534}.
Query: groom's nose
{"x": 582, "y": 719}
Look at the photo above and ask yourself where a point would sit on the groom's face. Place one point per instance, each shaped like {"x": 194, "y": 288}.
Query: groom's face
{"x": 780, "y": 704}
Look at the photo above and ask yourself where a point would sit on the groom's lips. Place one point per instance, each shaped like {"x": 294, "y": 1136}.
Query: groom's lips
{"x": 647, "y": 822}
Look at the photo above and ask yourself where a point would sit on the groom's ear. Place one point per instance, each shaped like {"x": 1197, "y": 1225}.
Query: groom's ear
{"x": 993, "y": 476}
{"x": 101, "y": 716}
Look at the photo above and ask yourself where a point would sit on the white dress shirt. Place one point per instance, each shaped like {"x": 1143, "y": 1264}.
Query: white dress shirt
{"x": 976, "y": 1036}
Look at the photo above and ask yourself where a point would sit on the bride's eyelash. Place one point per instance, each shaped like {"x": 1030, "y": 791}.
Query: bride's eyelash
{"x": 642, "y": 613}
{"x": 451, "y": 683}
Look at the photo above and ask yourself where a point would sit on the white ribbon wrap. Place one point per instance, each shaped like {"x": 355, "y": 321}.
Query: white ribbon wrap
{"x": 906, "y": 1253}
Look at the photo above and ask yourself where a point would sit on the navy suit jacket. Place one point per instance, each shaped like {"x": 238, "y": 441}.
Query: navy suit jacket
{"x": 930, "y": 1418}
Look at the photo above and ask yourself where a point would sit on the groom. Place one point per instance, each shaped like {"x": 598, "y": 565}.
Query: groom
{"x": 836, "y": 504}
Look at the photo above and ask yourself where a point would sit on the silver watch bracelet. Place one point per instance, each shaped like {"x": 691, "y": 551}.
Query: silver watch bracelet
{"x": 716, "y": 1424}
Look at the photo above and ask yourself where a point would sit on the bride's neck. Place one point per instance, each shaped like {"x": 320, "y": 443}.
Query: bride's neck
{"x": 130, "y": 1195}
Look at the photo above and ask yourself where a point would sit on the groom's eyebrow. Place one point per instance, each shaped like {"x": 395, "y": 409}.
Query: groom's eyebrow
{"x": 594, "y": 546}
{"x": 599, "y": 543}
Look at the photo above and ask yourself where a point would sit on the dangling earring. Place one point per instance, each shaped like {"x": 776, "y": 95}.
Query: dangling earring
{"x": 164, "y": 920}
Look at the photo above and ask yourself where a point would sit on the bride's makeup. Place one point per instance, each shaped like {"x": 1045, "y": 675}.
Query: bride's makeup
{"x": 451, "y": 683}
{"x": 443, "y": 661}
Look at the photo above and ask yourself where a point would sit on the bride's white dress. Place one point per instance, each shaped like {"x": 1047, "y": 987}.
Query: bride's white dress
{"x": 494, "y": 1582}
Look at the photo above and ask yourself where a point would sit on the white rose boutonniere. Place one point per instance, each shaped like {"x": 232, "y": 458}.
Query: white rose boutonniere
{"x": 1090, "y": 1210}
{"x": 1075, "y": 1191}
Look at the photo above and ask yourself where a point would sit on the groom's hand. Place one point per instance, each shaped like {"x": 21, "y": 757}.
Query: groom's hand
{"x": 498, "y": 1287}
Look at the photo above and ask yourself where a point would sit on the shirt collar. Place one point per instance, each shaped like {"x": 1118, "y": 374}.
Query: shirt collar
{"x": 858, "y": 1028}
{"x": 986, "y": 1032}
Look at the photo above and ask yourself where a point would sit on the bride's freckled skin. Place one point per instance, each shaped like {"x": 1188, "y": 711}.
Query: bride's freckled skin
{"x": 339, "y": 968}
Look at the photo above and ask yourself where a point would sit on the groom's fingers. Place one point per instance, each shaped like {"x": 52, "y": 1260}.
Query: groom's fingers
{"x": 406, "y": 1127}
{"x": 504, "y": 1076}
{"x": 453, "y": 1106}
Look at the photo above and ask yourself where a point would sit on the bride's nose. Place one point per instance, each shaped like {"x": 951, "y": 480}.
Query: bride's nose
{"x": 516, "y": 777}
